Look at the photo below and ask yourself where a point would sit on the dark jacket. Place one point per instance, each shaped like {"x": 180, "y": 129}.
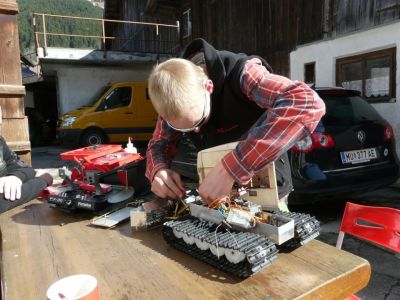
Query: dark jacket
{"x": 11, "y": 164}
{"x": 232, "y": 113}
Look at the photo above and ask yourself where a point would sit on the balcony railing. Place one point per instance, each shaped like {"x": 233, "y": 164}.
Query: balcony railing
{"x": 130, "y": 36}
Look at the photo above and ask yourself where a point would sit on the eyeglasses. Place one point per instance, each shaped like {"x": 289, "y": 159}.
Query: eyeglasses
{"x": 199, "y": 122}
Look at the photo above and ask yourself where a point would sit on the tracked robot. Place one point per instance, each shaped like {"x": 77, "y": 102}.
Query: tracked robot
{"x": 241, "y": 233}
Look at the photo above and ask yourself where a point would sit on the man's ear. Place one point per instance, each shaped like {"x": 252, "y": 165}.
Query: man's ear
{"x": 209, "y": 86}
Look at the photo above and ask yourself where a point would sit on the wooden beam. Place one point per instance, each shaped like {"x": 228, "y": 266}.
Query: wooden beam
{"x": 14, "y": 90}
{"x": 20, "y": 146}
{"x": 8, "y": 8}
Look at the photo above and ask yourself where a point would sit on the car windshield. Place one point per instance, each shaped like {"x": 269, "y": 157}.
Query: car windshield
{"x": 96, "y": 96}
{"x": 347, "y": 110}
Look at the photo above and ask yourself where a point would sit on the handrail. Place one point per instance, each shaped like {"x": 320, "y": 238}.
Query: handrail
{"x": 107, "y": 20}
{"x": 102, "y": 37}
{"x": 81, "y": 35}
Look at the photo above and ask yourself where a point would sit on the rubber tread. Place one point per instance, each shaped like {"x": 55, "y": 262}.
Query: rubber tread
{"x": 306, "y": 227}
{"x": 259, "y": 250}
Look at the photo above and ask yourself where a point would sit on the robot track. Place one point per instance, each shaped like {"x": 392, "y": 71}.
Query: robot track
{"x": 306, "y": 227}
{"x": 239, "y": 253}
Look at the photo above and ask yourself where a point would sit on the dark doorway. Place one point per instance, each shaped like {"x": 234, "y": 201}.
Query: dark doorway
{"x": 43, "y": 115}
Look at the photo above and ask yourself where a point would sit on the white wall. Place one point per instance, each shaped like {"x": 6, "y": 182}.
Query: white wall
{"x": 77, "y": 83}
{"x": 325, "y": 53}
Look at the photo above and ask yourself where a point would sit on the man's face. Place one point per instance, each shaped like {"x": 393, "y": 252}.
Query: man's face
{"x": 195, "y": 118}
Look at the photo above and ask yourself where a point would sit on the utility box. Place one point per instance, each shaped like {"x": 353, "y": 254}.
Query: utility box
{"x": 262, "y": 189}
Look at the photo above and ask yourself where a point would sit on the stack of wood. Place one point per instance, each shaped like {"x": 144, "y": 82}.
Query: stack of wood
{"x": 14, "y": 126}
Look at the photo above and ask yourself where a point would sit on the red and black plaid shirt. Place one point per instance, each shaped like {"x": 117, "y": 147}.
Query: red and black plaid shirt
{"x": 294, "y": 111}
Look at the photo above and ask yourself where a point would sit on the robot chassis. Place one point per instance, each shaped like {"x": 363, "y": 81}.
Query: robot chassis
{"x": 240, "y": 234}
{"x": 239, "y": 238}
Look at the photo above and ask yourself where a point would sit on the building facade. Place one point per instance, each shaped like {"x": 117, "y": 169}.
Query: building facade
{"x": 359, "y": 52}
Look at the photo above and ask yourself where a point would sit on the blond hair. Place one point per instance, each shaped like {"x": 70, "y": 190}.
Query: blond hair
{"x": 175, "y": 87}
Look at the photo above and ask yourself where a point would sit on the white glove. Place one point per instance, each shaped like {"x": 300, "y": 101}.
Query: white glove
{"x": 10, "y": 187}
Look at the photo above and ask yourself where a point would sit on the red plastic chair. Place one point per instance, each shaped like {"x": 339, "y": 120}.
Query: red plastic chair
{"x": 380, "y": 225}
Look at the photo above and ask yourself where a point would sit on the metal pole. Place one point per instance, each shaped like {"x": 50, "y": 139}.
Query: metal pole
{"x": 34, "y": 23}
{"x": 178, "y": 31}
{"x": 36, "y": 35}
{"x": 158, "y": 44}
{"x": 44, "y": 35}
{"x": 104, "y": 38}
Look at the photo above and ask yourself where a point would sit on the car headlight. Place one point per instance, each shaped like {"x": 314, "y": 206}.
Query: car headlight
{"x": 68, "y": 121}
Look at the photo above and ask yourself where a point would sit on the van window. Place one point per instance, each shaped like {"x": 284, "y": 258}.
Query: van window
{"x": 118, "y": 97}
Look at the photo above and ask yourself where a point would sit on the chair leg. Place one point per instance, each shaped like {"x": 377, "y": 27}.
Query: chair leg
{"x": 340, "y": 240}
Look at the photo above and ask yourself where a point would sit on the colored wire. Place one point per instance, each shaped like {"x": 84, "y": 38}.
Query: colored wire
{"x": 218, "y": 201}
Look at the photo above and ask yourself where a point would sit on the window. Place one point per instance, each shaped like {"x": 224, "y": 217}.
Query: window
{"x": 187, "y": 24}
{"x": 373, "y": 74}
{"x": 309, "y": 72}
{"x": 347, "y": 110}
{"x": 118, "y": 97}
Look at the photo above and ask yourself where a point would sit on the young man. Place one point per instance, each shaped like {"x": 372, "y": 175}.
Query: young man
{"x": 216, "y": 97}
{"x": 19, "y": 183}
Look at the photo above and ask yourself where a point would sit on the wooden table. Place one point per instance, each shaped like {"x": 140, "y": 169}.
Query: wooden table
{"x": 41, "y": 245}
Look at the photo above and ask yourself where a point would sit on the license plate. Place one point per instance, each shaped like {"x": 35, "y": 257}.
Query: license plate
{"x": 358, "y": 156}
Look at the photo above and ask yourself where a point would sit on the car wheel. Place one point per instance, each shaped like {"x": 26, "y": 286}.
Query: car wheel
{"x": 93, "y": 137}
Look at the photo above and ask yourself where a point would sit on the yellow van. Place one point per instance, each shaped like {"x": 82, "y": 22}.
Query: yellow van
{"x": 121, "y": 110}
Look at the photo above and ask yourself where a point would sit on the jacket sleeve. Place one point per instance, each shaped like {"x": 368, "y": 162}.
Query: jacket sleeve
{"x": 294, "y": 111}
{"x": 14, "y": 165}
{"x": 161, "y": 148}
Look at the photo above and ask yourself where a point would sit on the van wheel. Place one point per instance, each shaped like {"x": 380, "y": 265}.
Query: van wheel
{"x": 93, "y": 137}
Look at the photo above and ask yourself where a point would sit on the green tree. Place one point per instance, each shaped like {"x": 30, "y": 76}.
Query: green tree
{"x": 77, "y": 8}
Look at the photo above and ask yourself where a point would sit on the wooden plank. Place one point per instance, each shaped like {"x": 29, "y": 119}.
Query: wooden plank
{"x": 15, "y": 130}
{"x": 12, "y": 90}
{"x": 267, "y": 196}
{"x": 16, "y": 133}
{"x": 8, "y": 7}
{"x": 15, "y": 125}
{"x": 20, "y": 146}
{"x": 10, "y": 69}
{"x": 13, "y": 107}
{"x": 141, "y": 265}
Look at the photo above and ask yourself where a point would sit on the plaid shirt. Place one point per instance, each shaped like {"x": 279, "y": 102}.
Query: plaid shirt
{"x": 294, "y": 111}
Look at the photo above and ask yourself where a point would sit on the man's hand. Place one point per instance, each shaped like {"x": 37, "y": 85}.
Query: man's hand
{"x": 168, "y": 184}
{"x": 218, "y": 183}
{"x": 10, "y": 187}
